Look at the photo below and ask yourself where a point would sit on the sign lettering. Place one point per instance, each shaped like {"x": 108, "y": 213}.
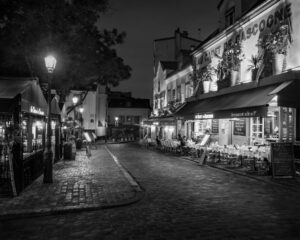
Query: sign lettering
{"x": 204, "y": 116}
{"x": 36, "y": 110}
{"x": 246, "y": 33}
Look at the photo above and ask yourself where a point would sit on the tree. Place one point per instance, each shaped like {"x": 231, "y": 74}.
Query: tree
{"x": 31, "y": 29}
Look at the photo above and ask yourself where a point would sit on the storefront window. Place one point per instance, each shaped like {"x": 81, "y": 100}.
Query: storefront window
{"x": 25, "y": 135}
{"x": 37, "y": 135}
{"x": 32, "y": 134}
{"x": 271, "y": 124}
{"x": 202, "y": 127}
{"x": 257, "y": 133}
{"x": 298, "y": 125}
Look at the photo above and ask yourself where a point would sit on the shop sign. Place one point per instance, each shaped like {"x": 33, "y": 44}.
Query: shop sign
{"x": 204, "y": 116}
{"x": 262, "y": 25}
{"x": 239, "y": 127}
{"x": 282, "y": 158}
{"x": 156, "y": 123}
{"x": 246, "y": 113}
{"x": 36, "y": 110}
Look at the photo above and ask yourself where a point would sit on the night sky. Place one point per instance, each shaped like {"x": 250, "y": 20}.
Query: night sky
{"x": 144, "y": 21}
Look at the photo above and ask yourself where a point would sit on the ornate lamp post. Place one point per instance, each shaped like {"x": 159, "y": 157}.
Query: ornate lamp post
{"x": 75, "y": 100}
{"x": 50, "y": 63}
{"x": 81, "y": 109}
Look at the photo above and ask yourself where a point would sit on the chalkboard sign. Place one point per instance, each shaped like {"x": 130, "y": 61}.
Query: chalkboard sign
{"x": 282, "y": 158}
{"x": 214, "y": 126}
{"x": 239, "y": 127}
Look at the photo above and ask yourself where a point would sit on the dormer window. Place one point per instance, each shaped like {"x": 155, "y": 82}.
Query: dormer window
{"x": 229, "y": 17}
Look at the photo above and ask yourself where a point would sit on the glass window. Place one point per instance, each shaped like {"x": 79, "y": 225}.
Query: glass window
{"x": 257, "y": 130}
{"x": 178, "y": 93}
{"x": 136, "y": 119}
{"x": 129, "y": 119}
{"x": 37, "y": 134}
{"x": 169, "y": 95}
{"x": 229, "y": 17}
{"x": 173, "y": 95}
{"x": 298, "y": 125}
{"x": 122, "y": 119}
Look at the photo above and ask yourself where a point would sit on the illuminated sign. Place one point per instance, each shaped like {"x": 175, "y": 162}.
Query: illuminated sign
{"x": 245, "y": 114}
{"x": 156, "y": 123}
{"x": 204, "y": 116}
{"x": 36, "y": 110}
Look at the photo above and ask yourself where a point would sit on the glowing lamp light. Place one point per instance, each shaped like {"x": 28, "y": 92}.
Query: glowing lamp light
{"x": 116, "y": 118}
{"x": 50, "y": 63}
{"x": 81, "y": 109}
{"x": 75, "y": 100}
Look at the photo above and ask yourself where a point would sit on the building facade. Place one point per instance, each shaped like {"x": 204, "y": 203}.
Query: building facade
{"x": 245, "y": 77}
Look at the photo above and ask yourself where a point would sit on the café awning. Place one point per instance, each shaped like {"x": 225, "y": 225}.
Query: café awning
{"x": 249, "y": 103}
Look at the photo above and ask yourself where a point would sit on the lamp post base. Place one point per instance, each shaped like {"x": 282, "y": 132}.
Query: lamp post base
{"x": 48, "y": 165}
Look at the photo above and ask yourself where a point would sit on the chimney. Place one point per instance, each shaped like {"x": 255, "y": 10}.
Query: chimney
{"x": 177, "y": 43}
{"x": 199, "y": 33}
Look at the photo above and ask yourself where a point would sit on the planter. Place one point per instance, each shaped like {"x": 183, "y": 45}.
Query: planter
{"x": 277, "y": 65}
{"x": 234, "y": 77}
{"x": 224, "y": 83}
{"x": 206, "y": 86}
{"x": 254, "y": 74}
{"x": 214, "y": 85}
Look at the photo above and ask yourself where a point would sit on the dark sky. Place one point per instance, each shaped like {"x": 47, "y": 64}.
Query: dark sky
{"x": 144, "y": 21}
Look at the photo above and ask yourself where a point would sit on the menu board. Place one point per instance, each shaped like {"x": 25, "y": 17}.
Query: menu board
{"x": 282, "y": 159}
{"x": 214, "y": 126}
{"x": 239, "y": 127}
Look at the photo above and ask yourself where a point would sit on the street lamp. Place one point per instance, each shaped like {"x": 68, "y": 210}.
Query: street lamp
{"x": 116, "y": 121}
{"x": 81, "y": 109}
{"x": 75, "y": 100}
{"x": 50, "y": 63}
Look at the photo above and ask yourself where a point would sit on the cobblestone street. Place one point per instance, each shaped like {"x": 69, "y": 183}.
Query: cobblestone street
{"x": 182, "y": 201}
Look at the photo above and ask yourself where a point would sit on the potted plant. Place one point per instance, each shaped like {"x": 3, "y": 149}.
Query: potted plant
{"x": 205, "y": 75}
{"x": 255, "y": 63}
{"x": 232, "y": 57}
{"x": 276, "y": 42}
{"x": 223, "y": 75}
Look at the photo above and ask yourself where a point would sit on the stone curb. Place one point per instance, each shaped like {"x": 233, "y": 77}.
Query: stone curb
{"x": 246, "y": 175}
{"x": 70, "y": 209}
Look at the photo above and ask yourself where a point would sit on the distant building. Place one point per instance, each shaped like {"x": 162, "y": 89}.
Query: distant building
{"x": 125, "y": 115}
{"x": 100, "y": 110}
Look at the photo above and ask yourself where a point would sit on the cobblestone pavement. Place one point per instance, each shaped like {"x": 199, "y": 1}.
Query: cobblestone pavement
{"x": 81, "y": 184}
{"x": 182, "y": 201}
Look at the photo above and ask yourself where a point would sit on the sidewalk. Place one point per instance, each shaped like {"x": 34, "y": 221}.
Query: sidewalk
{"x": 290, "y": 183}
{"x": 84, "y": 184}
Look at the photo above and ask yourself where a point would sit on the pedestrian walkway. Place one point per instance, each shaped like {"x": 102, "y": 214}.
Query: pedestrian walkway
{"x": 292, "y": 183}
{"x": 83, "y": 184}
